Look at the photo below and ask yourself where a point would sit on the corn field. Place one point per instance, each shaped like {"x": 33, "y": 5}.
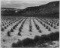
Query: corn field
{"x": 28, "y": 31}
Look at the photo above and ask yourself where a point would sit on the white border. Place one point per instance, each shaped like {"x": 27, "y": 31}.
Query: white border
{"x": 41, "y": 0}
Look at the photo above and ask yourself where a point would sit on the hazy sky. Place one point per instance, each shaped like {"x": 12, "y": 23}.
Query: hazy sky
{"x": 21, "y": 4}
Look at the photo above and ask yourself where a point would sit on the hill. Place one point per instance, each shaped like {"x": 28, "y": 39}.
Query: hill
{"x": 48, "y": 10}
{"x": 51, "y": 8}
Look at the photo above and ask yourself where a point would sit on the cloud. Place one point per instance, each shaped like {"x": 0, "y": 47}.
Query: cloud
{"x": 22, "y": 3}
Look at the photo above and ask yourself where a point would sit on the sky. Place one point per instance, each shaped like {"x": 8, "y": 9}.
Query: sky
{"x": 21, "y": 4}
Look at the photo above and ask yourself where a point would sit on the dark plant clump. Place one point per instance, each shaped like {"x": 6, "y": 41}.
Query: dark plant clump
{"x": 37, "y": 40}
